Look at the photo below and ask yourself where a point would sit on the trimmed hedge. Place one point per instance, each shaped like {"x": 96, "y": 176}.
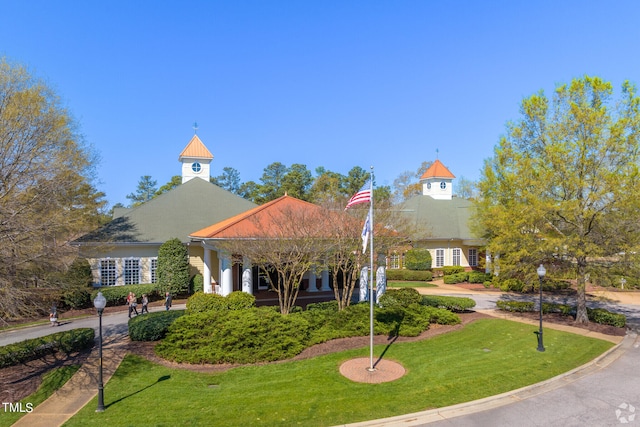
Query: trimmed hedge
{"x": 596, "y": 315}
{"x": 239, "y": 300}
{"x": 452, "y": 279}
{"x": 452, "y": 269}
{"x": 66, "y": 342}
{"x": 402, "y": 297}
{"x": 152, "y": 326}
{"x": 604, "y": 317}
{"x": 479, "y": 277}
{"x": 234, "y": 336}
{"x": 201, "y": 302}
{"x": 409, "y": 275}
{"x": 454, "y": 304}
{"x": 515, "y": 306}
{"x": 262, "y": 334}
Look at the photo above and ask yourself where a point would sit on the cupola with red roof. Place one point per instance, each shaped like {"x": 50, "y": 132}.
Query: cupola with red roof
{"x": 437, "y": 181}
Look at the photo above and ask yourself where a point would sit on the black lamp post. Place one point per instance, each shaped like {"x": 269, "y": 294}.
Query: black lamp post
{"x": 541, "y": 273}
{"x": 99, "y": 303}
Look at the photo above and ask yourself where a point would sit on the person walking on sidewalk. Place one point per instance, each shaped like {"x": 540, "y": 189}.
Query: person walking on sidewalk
{"x": 145, "y": 304}
{"x": 167, "y": 301}
{"x": 131, "y": 300}
{"x": 53, "y": 316}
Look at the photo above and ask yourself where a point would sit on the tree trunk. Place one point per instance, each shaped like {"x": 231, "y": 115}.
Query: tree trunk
{"x": 581, "y": 311}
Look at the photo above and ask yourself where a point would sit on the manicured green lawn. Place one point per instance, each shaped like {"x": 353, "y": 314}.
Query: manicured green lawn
{"x": 485, "y": 358}
{"x": 409, "y": 284}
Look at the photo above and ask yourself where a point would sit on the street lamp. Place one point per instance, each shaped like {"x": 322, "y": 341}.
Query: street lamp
{"x": 99, "y": 303}
{"x": 541, "y": 273}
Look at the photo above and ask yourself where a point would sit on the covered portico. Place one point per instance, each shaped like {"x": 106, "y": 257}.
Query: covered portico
{"x": 224, "y": 273}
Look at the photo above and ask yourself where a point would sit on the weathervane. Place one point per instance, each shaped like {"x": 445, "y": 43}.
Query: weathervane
{"x": 437, "y": 151}
{"x": 195, "y": 128}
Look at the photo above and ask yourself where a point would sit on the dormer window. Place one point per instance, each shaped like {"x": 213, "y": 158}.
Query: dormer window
{"x": 196, "y": 167}
{"x": 443, "y": 185}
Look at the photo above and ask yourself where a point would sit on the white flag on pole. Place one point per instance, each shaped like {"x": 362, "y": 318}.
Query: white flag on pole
{"x": 366, "y": 231}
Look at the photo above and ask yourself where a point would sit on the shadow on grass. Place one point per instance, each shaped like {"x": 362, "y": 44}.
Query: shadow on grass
{"x": 393, "y": 340}
{"x": 162, "y": 378}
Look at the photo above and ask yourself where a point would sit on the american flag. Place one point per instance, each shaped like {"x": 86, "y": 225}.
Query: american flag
{"x": 362, "y": 196}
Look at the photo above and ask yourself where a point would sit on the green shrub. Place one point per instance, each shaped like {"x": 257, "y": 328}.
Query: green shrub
{"x": 604, "y": 317}
{"x": 441, "y": 316}
{"x": 409, "y": 275}
{"x": 455, "y": 304}
{"x": 479, "y": 277}
{"x": 234, "y": 336}
{"x": 196, "y": 284}
{"x": 454, "y": 278}
{"x": 403, "y": 297}
{"x": 152, "y": 326}
{"x": 239, "y": 300}
{"x": 515, "y": 306}
{"x": 262, "y": 334}
{"x": 66, "y": 342}
{"x": 201, "y": 302}
{"x": 325, "y": 306}
{"x": 563, "y": 309}
{"x": 452, "y": 269}
{"x": 511, "y": 285}
{"x": 417, "y": 259}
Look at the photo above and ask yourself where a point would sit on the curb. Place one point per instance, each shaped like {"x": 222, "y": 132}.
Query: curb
{"x": 466, "y": 408}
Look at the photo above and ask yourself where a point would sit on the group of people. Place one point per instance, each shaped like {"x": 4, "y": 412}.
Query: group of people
{"x": 132, "y": 302}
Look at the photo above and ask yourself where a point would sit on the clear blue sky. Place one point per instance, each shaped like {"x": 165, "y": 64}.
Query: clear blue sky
{"x": 324, "y": 83}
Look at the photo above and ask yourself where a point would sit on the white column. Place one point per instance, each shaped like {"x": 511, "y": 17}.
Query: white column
{"x": 226, "y": 276}
{"x": 325, "y": 281}
{"x": 487, "y": 262}
{"x": 247, "y": 276}
{"x": 206, "y": 273}
{"x": 313, "y": 287}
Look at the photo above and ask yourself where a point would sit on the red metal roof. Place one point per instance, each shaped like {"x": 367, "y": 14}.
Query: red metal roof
{"x": 437, "y": 170}
{"x": 195, "y": 149}
{"x": 263, "y": 221}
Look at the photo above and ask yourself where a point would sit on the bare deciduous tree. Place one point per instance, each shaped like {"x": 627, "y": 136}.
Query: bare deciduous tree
{"x": 46, "y": 196}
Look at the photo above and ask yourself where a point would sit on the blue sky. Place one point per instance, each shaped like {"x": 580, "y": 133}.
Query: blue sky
{"x": 323, "y": 83}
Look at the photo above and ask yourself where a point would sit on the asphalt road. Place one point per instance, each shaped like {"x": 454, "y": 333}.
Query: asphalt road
{"x": 113, "y": 324}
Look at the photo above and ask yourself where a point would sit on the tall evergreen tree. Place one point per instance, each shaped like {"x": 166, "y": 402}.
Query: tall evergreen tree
{"x": 146, "y": 191}
{"x": 173, "y": 267}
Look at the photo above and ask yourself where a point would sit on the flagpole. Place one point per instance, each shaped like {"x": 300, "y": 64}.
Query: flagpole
{"x": 371, "y": 294}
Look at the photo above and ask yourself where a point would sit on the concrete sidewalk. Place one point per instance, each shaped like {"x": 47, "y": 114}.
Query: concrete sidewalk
{"x": 79, "y": 390}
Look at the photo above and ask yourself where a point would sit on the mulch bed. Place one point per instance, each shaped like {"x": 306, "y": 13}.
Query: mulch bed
{"x": 22, "y": 380}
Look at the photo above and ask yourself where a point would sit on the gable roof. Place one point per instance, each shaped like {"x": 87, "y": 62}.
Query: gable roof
{"x": 195, "y": 149}
{"x": 437, "y": 170}
{"x": 174, "y": 214}
{"x": 439, "y": 219}
{"x": 257, "y": 222}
